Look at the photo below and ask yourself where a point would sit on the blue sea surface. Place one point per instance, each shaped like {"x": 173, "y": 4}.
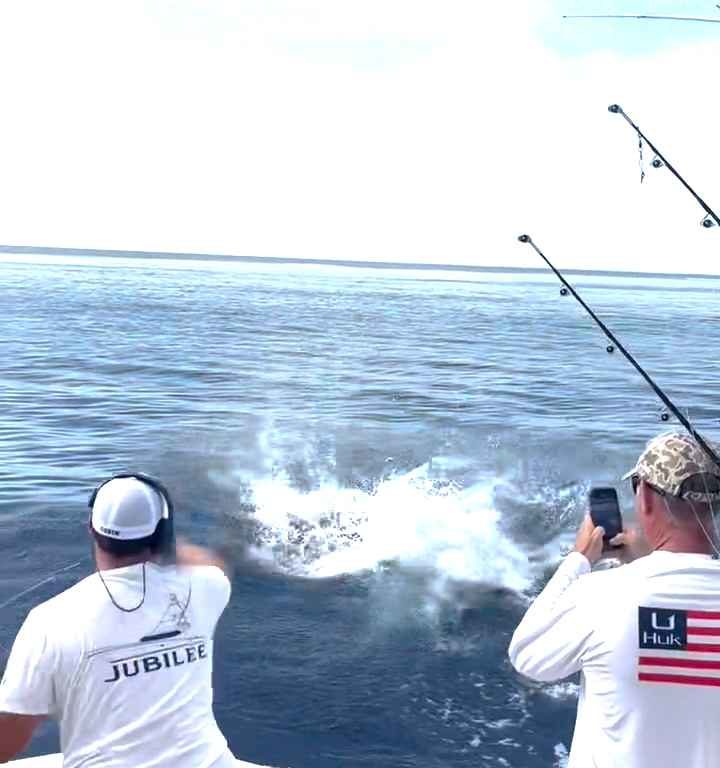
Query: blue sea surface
{"x": 396, "y": 458}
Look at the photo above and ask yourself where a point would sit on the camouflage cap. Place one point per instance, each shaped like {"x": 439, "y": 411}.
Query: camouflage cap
{"x": 670, "y": 460}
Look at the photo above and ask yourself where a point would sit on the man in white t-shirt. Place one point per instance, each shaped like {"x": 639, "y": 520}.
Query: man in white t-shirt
{"x": 645, "y": 636}
{"x": 123, "y": 660}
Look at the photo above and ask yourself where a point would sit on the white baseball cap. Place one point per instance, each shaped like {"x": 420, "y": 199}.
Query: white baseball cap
{"x": 126, "y": 508}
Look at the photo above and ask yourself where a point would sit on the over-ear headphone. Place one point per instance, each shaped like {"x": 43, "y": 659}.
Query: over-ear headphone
{"x": 165, "y": 530}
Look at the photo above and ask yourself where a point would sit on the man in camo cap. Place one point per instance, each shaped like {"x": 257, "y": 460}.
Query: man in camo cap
{"x": 675, "y": 464}
{"x": 645, "y": 636}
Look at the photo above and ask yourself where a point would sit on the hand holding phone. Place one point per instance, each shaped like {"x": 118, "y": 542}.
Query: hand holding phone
{"x": 587, "y": 541}
{"x": 605, "y": 511}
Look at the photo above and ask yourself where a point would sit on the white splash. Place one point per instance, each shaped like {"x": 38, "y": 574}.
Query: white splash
{"x": 562, "y": 691}
{"x": 561, "y": 755}
{"x": 407, "y": 519}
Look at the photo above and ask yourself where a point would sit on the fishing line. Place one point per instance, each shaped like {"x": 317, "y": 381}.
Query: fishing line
{"x": 711, "y": 217}
{"x": 641, "y": 162}
{"x": 713, "y": 516}
{"x": 641, "y": 16}
{"x": 618, "y": 344}
{"x": 39, "y": 584}
{"x": 701, "y": 525}
{"x": 713, "y": 542}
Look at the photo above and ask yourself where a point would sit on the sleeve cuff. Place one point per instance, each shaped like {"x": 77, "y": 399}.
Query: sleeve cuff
{"x": 576, "y": 563}
{"x": 12, "y": 706}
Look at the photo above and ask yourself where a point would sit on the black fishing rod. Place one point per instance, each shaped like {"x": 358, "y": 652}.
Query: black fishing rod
{"x": 711, "y": 218}
{"x": 705, "y": 19}
{"x": 617, "y": 343}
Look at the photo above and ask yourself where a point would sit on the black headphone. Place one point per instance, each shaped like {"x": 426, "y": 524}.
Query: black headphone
{"x": 165, "y": 530}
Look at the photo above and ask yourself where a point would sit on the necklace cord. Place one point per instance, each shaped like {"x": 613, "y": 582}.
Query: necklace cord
{"x": 115, "y": 603}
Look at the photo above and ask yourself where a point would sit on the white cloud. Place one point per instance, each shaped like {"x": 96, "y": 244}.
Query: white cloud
{"x": 388, "y": 129}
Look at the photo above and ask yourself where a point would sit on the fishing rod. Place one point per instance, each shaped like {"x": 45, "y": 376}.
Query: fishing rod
{"x": 641, "y": 16}
{"x": 711, "y": 217}
{"x": 617, "y": 343}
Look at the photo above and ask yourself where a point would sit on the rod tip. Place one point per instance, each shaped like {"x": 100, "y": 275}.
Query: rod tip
{"x": 524, "y": 238}
{"x": 614, "y": 108}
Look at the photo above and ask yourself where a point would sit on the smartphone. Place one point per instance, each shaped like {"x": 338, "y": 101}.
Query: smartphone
{"x": 605, "y": 511}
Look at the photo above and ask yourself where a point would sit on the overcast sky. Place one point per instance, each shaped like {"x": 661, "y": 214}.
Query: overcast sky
{"x": 392, "y": 130}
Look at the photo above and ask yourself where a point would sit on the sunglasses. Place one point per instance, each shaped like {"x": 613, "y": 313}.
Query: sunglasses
{"x": 635, "y": 480}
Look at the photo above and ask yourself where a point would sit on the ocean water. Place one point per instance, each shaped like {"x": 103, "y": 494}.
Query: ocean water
{"x": 395, "y": 458}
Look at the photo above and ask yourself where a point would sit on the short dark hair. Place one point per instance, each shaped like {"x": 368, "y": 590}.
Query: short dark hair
{"x": 126, "y": 547}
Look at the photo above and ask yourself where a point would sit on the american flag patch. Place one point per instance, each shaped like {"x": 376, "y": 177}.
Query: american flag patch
{"x": 680, "y": 647}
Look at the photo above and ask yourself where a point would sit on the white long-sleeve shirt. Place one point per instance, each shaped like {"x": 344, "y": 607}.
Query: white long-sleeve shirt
{"x": 646, "y": 639}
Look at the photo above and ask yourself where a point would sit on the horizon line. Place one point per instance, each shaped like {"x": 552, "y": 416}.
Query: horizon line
{"x": 188, "y": 256}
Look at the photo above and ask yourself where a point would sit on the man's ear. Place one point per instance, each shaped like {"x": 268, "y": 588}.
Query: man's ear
{"x": 643, "y": 511}
{"x": 645, "y": 501}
